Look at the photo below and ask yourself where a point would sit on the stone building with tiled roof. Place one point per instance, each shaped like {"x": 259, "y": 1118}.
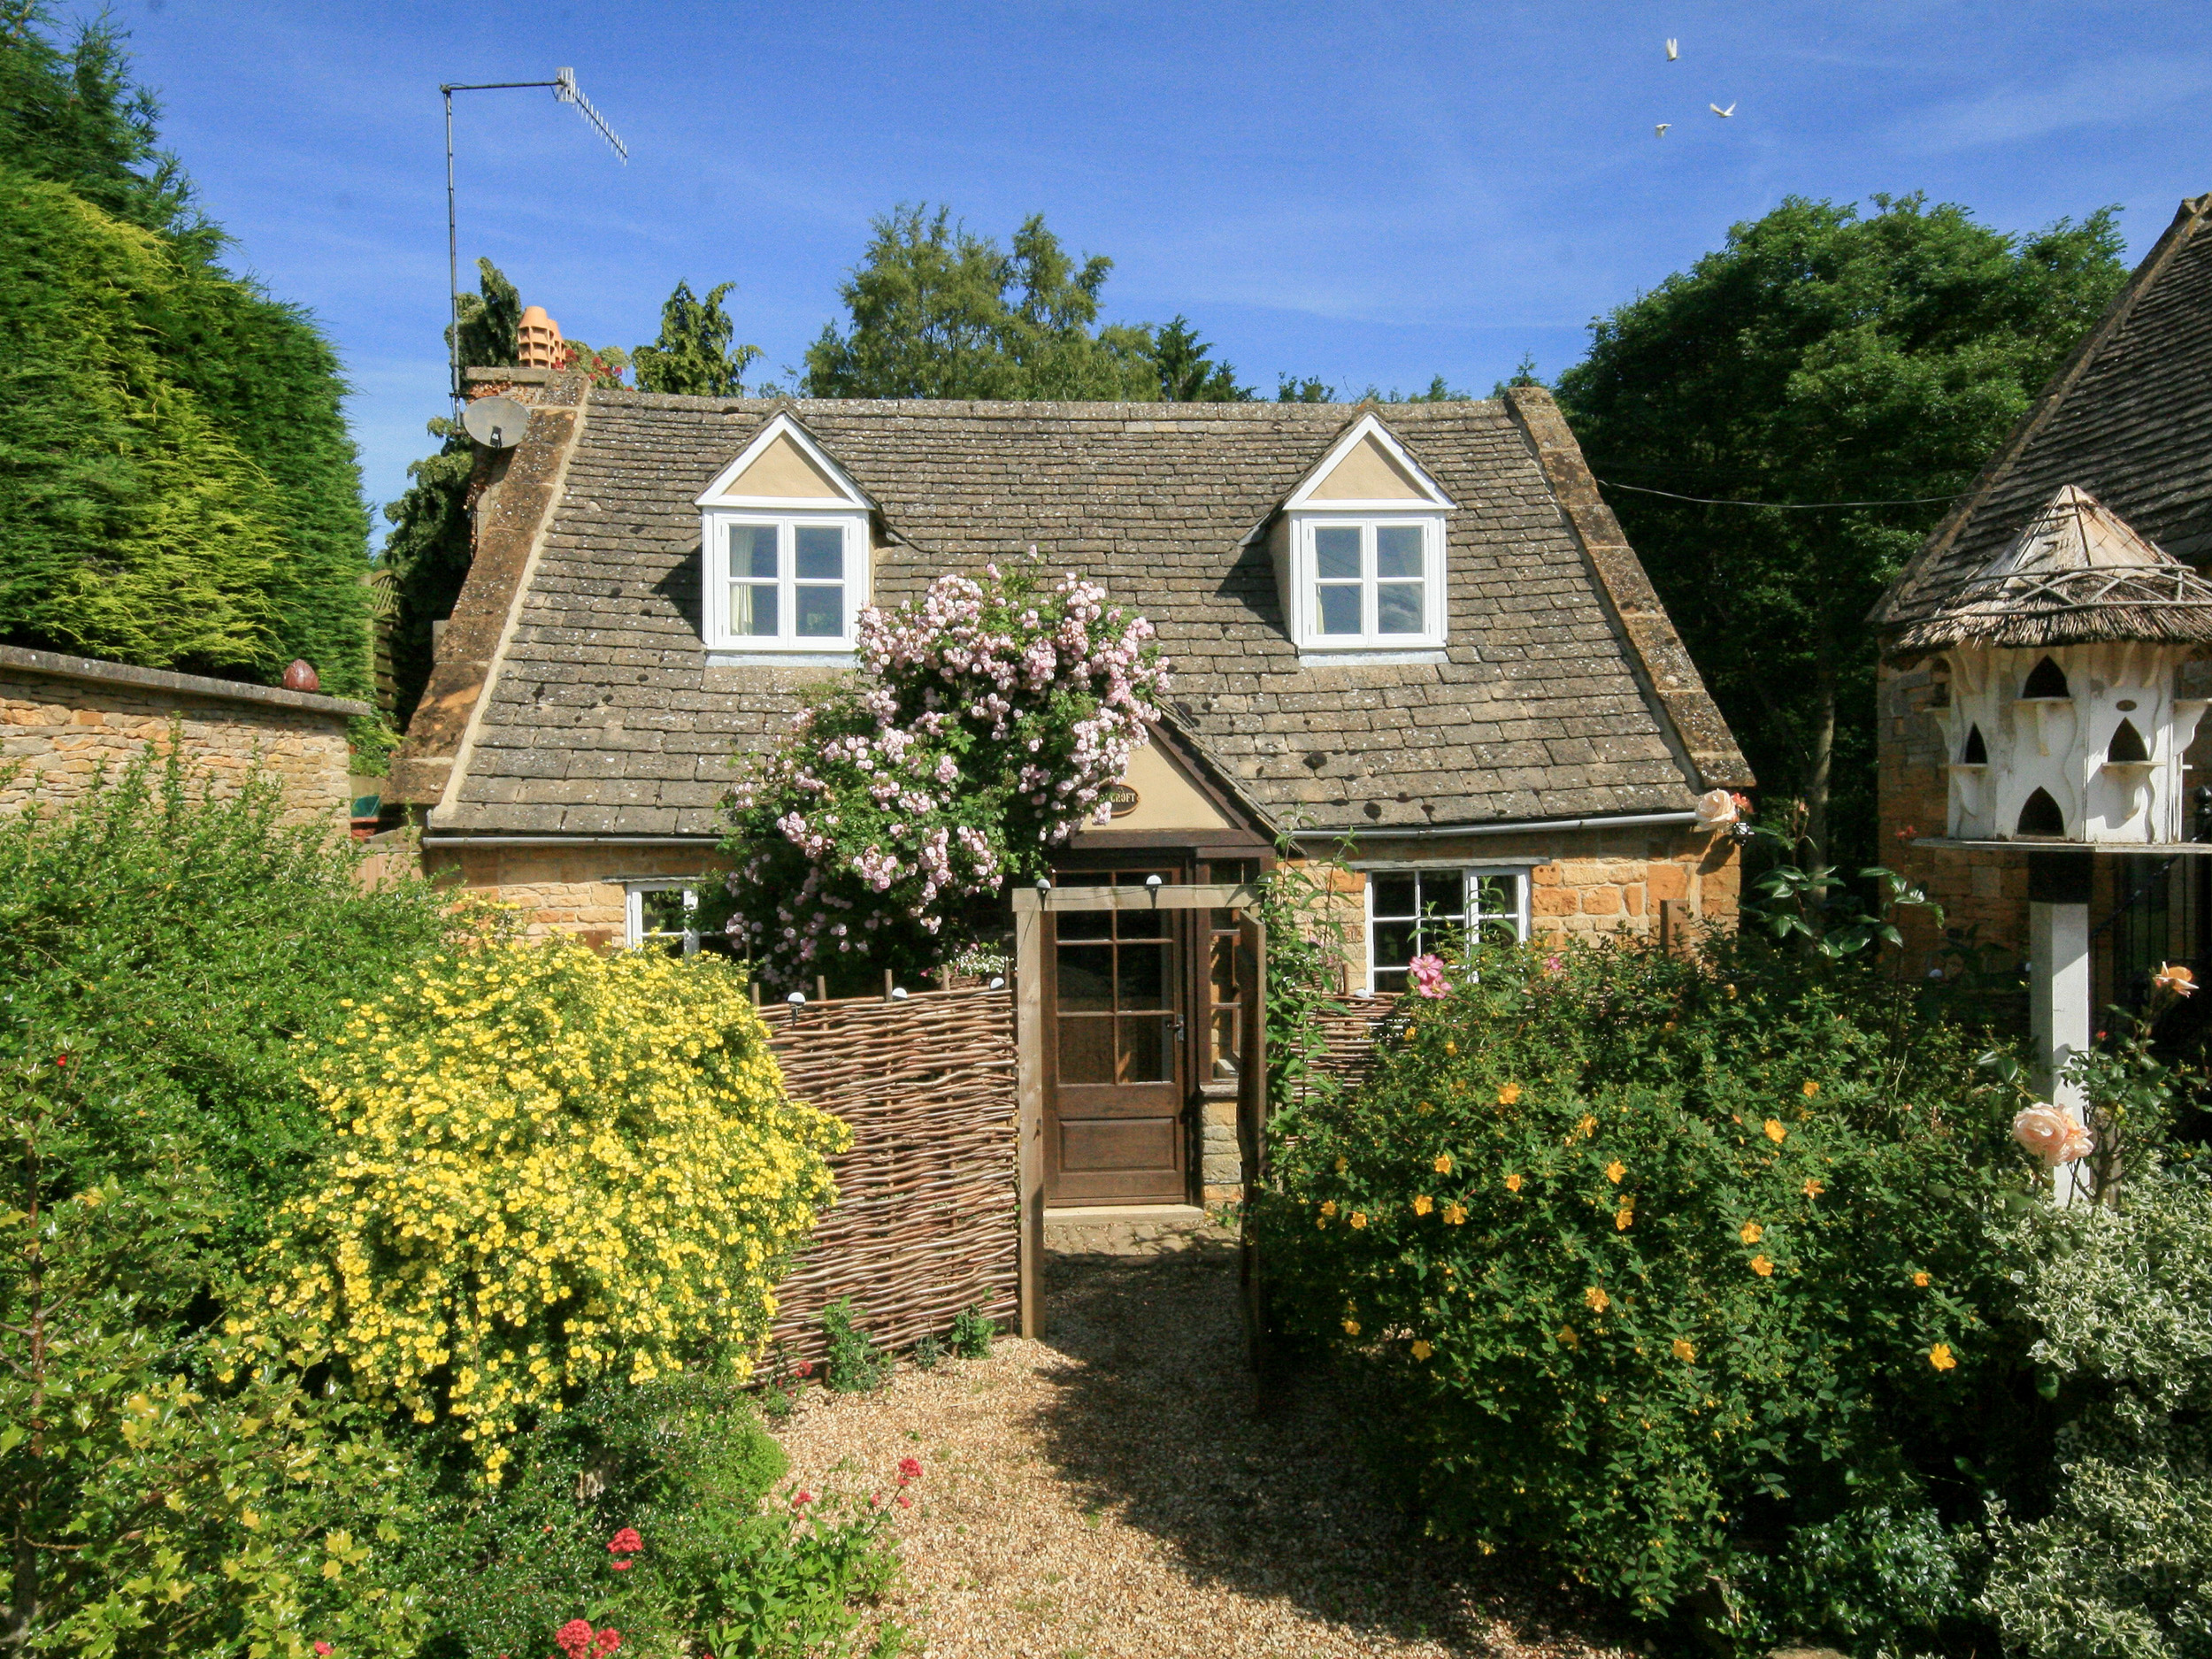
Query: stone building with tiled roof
{"x": 1414, "y": 633}
{"x": 2125, "y": 423}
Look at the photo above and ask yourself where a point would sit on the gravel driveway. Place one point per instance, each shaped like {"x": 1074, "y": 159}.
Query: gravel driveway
{"x": 1108, "y": 1491}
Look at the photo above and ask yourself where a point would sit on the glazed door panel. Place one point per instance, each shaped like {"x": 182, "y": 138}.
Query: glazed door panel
{"x": 1115, "y": 1033}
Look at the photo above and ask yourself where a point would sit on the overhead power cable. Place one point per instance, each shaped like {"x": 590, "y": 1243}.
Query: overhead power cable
{"x": 1779, "y": 506}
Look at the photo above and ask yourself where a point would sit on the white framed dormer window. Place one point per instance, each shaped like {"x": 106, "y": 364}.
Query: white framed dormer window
{"x": 1411, "y": 912}
{"x": 1362, "y": 559}
{"x": 784, "y": 549}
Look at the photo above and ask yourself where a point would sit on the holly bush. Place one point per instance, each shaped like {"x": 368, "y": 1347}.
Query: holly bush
{"x": 547, "y": 1166}
{"x": 1671, "y": 1268}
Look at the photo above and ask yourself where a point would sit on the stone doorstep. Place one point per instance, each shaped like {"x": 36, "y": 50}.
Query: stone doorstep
{"x": 1130, "y": 1230}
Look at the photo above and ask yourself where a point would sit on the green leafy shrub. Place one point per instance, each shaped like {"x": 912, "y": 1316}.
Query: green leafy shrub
{"x": 2118, "y": 1561}
{"x": 972, "y": 1330}
{"x": 1665, "y": 1266}
{"x": 855, "y": 1365}
{"x": 187, "y": 942}
{"x": 660, "y": 1510}
{"x": 929, "y": 1351}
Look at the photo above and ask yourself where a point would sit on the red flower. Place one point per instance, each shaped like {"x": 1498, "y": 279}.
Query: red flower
{"x": 324, "y": 1648}
{"x": 608, "y": 1640}
{"x": 61, "y": 1059}
{"x": 905, "y": 1502}
{"x": 574, "y": 1638}
{"x": 909, "y": 1468}
{"x": 626, "y": 1542}
{"x": 803, "y": 1498}
{"x": 804, "y": 1368}
{"x": 622, "y": 1566}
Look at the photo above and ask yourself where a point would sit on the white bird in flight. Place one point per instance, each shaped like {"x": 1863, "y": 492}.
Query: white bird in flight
{"x": 1672, "y": 51}
{"x": 1660, "y": 131}
{"x": 1724, "y": 114}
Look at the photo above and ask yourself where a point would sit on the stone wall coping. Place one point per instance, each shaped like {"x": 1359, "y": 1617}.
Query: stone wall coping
{"x": 93, "y": 671}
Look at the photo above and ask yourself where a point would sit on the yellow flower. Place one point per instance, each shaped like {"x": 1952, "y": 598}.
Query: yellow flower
{"x": 1940, "y": 1356}
{"x": 1341, "y": 1165}
{"x": 1422, "y": 1350}
{"x": 1920, "y": 1279}
{"x": 1359, "y": 1217}
{"x": 1751, "y": 1233}
{"x": 1774, "y": 1130}
{"x": 1811, "y": 1088}
{"x": 1683, "y": 1351}
{"x": 1450, "y": 1047}
{"x": 1455, "y": 1214}
{"x": 1813, "y": 1189}
{"x": 1730, "y": 991}
{"x": 1424, "y": 1108}
{"x": 1328, "y": 1208}
{"x": 1615, "y": 1171}
{"x": 1566, "y": 1338}
{"x": 1510, "y": 1092}
{"x": 1513, "y": 1182}
{"x": 1588, "y": 1126}
{"x": 1597, "y": 1299}
{"x": 1423, "y": 1204}
{"x": 1764, "y": 1268}
{"x": 1443, "y": 1165}
{"x": 1351, "y": 1327}
{"x": 1622, "y": 1217}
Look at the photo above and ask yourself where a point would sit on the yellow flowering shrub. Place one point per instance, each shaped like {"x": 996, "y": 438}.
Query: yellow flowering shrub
{"x": 549, "y": 1166}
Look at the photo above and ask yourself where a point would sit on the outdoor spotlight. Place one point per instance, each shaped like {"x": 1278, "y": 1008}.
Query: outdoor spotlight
{"x": 1152, "y": 883}
{"x": 898, "y": 994}
{"x": 1044, "y": 884}
{"x": 797, "y": 999}
{"x": 997, "y": 984}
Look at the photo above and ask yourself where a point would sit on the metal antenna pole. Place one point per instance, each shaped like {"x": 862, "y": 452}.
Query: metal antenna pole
{"x": 565, "y": 90}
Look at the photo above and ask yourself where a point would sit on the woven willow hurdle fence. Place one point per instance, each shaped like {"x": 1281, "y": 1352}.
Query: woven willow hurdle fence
{"x": 927, "y": 1218}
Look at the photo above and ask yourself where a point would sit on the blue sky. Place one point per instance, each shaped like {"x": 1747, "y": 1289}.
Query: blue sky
{"x": 1367, "y": 194}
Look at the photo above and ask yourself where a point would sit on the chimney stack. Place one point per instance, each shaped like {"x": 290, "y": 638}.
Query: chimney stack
{"x": 538, "y": 340}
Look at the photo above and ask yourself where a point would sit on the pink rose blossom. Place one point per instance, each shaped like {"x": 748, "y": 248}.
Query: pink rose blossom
{"x": 1428, "y": 975}
{"x": 2052, "y": 1134}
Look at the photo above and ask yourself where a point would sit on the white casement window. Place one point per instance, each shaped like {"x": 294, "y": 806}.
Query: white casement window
{"x": 663, "y": 915}
{"x": 1412, "y": 912}
{"x": 784, "y": 549}
{"x": 786, "y": 583}
{"x": 1369, "y": 582}
{"x": 1360, "y": 553}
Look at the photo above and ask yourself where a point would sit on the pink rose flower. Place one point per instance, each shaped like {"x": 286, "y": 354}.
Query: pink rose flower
{"x": 1428, "y": 975}
{"x": 2052, "y": 1134}
{"x": 2171, "y": 976}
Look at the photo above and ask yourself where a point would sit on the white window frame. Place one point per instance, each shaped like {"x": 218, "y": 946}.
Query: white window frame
{"x": 1306, "y": 583}
{"x": 848, "y": 507}
{"x": 1469, "y": 877}
{"x": 633, "y": 932}
{"x": 721, "y": 582}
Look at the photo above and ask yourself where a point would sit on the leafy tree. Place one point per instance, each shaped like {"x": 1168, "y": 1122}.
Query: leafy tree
{"x": 1524, "y": 374}
{"x": 428, "y": 551}
{"x": 937, "y": 311}
{"x": 1189, "y": 373}
{"x": 694, "y": 357}
{"x": 487, "y": 322}
{"x": 1306, "y": 391}
{"x": 176, "y": 480}
{"x": 1821, "y": 356}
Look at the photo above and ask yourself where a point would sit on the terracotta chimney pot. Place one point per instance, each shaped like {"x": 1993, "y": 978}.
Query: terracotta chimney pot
{"x": 537, "y": 340}
{"x": 301, "y": 676}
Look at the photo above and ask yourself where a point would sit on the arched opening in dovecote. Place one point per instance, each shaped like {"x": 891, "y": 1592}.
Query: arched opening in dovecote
{"x": 2040, "y": 816}
{"x": 2126, "y": 747}
{"x": 1976, "y": 751}
{"x": 2047, "y": 678}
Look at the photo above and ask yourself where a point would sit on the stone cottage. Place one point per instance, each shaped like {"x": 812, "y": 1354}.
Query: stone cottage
{"x": 1410, "y": 635}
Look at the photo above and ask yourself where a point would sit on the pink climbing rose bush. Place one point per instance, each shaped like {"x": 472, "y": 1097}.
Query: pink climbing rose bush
{"x": 987, "y": 722}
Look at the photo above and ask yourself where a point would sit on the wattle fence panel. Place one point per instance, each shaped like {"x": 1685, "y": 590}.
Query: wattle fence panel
{"x": 927, "y": 1220}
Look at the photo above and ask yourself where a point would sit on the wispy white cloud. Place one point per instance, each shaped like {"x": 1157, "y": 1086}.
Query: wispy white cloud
{"x": 2113, "y": 93}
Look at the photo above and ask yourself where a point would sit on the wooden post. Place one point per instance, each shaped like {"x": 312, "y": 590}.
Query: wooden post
{"x": 1252, "y": 1147}
{"x": 821, "y": 987}
{"x": 1029, "y": 1093}
{"x": 889, "y": 982}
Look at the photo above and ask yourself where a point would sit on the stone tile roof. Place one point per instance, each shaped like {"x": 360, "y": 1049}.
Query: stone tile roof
{"x": 604, "y": 717}
{"x": 2128, "y": 418}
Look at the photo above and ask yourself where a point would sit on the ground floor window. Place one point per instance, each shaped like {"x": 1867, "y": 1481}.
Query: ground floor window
{"x": 1412, "y": 912}
{"x": 663, "y": 915}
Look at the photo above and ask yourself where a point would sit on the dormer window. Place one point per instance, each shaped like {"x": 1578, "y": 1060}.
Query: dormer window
{"x": 784, "y": 548}
{"x": 1360, "y": 553}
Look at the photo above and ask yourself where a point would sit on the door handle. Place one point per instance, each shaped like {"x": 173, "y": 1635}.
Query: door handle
{"x": 1178, "y": 1028}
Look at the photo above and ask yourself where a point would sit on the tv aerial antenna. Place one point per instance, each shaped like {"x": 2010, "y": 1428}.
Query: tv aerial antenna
{"x": 565, "y": 91}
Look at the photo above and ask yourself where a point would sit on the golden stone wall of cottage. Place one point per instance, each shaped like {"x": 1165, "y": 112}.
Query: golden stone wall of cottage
{"x": 64, "y": 719}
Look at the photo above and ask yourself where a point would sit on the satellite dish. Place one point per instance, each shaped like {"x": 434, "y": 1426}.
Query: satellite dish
{"x": 497, "y": 423}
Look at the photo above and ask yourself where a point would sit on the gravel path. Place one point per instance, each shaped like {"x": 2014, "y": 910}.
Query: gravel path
{"x": 1108, "y": 1491}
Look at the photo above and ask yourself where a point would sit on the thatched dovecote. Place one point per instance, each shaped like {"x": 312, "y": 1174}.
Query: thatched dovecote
{"x": 2075, "y": 574}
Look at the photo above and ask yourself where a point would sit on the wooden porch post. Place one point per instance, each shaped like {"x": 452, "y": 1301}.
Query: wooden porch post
{"x": 1029, "y": 1093}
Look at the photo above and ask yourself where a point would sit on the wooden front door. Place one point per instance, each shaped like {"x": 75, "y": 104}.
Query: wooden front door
{"x": 1114, "y": 1029}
